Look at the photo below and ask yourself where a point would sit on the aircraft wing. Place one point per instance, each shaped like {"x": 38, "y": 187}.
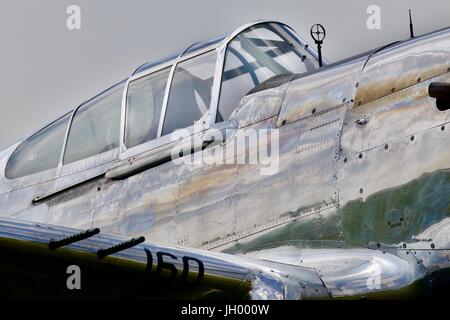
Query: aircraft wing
{"x": 46, "y": 261}
{"x": 38, "y": 261}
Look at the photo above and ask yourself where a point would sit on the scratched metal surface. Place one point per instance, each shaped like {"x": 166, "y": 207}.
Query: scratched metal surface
{"x": 321, "y": 91}
{"x": 404, "y": 65}
{"x": 260, "y": 106}
{"x": 385, "y": 181}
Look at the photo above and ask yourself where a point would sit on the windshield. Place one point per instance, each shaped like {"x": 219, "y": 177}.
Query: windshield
{"x": 256, "y": 55}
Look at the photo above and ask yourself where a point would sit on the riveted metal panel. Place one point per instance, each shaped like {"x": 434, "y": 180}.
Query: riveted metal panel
{"x": 320, "y": 91}
{"x": 394, "y": 194}
{"x": 206, "y": 197}
{"x": 373, "y": 169}
{"x": 21, "y": 200}
{"x": 305, "y": 183}
{"x": 404, "y": 65}
{"x": 392, "y": 117}
{"x": 260, "y": 106}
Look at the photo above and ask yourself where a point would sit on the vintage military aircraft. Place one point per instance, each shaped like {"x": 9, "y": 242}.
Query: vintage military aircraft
{"x": 357, "y": 206}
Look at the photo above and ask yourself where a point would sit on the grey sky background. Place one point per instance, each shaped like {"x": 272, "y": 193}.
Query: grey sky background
{"x": 47, "y": 70}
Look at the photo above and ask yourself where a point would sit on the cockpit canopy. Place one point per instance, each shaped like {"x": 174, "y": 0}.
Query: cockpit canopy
{"x": 202, "y": 84}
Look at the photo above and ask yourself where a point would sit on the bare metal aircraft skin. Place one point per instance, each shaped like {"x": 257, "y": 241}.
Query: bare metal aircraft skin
{"x": 358, "y": 204}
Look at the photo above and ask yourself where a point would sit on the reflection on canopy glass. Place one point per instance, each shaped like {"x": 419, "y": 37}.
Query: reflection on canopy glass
{"x": 144, "y": 102}
{"x": 39, "y": 153}
{"x": 254, "y": 56}
{"x": 96, "y": 126}
{"x": 190, "y": 94}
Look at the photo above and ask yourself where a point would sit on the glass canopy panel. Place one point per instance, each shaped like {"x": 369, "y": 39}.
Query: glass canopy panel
{"x": 256, "y": 55}
{"x": 190, "y": 93}
{"x": 153, "y": 64}
{"x": 39, "y": 153}
{"x": 144, "y": 103}
{"x": 96, "y": 126}
{"x": 204, "y": 45}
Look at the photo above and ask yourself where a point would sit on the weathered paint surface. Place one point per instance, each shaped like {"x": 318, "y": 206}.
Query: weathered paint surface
{"x": 385, "y": 180}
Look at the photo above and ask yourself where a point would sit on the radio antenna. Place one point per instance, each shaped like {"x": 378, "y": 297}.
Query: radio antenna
{"x": 411, "y": 27}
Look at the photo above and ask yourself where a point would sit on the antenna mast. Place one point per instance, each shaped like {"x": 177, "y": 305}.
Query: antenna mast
{"x": 411, "y": 27}
{"x": 318, "y": 34}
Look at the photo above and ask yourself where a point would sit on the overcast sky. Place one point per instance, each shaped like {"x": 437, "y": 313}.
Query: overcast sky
{"x": 47, "y": 69}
